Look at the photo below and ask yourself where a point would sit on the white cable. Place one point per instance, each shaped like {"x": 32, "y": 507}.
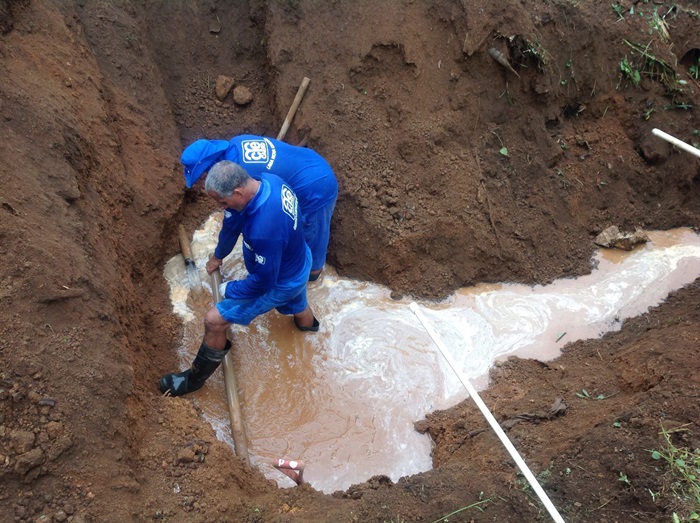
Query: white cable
{"x": 675, "y": 141}
{"x": 489, "y": 417}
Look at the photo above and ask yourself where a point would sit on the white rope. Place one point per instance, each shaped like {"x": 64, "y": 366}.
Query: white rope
{"x": 489, "y": 417}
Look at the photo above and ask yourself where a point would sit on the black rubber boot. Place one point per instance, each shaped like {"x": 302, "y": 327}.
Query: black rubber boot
{"x": 203, "y": 366}
{"x": 313, "y": 328}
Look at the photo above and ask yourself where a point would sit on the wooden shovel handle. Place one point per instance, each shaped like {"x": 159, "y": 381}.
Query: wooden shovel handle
{"x": 184, "y": 243}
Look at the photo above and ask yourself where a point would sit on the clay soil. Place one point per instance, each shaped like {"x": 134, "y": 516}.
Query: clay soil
{"x": 453, "y": 170}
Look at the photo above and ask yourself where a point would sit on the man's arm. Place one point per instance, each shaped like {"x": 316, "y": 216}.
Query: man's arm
{"x": 231, "y": 228}
{"x": 263, "y": 273}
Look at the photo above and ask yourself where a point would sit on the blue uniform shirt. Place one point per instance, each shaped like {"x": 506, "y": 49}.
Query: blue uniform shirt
{"x": 274, "y": 250}
{"x": 306, "y": 171}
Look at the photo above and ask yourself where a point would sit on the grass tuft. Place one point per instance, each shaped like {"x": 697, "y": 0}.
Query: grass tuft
{"x": 683, "y": 477}
{"x": 653, "y": 66}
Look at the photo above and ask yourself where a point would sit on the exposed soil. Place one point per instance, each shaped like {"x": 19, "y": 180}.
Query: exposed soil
{"x": 453, "y": 170}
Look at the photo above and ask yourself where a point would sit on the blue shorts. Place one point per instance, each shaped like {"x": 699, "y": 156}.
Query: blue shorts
{"x": 287, "y": 298}
{"x": 317, "y": 233}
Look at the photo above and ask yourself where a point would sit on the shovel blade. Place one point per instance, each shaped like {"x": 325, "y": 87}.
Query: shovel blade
{"x": 193, "y": 276}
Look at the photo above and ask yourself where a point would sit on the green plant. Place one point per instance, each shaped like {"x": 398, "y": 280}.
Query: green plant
{"x": 630, "y": 72}
{"x": 503, "y": 150}
{"x": 562, "y": 179}
{"x": 658, "y": 23}
{"x": 544, "y": 475}
{"x": 623, "y": 477}
{"x": 694, "y": 70}
{"x": 683, "y": 476}
{"x": 534, "y": 49}
{"x": 655, "y": 67}
{"x": 476, "y": 505}
{"x": 508, "y": 96}
{"x": 584, "y": 394}
{"x": 678, "y": 105}
{"x": 619, "y": 10}
{"x": 693, "y": 517}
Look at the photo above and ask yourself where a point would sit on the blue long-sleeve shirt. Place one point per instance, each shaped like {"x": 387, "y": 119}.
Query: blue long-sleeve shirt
{"x": 274, "y": 250}
{"x": 304, "y": 170}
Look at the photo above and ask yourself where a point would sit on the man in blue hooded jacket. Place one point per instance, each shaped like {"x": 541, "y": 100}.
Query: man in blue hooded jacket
{"x": 277, "y": 259}
{"x": 304, "y": 170}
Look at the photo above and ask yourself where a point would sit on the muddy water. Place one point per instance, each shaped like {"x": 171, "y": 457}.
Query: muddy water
{"x": 344, "y": 399}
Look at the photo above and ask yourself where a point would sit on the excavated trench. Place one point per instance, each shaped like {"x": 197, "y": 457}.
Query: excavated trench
{"x": 199, "y": 114}
{"x": 189, "y": 87}
{"x": 453, "y": 172}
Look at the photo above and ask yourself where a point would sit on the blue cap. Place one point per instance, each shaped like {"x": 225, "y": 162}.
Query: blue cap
{"x": 199, "y": 157}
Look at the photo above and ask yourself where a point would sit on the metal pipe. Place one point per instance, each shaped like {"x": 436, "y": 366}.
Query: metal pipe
{"x": 489, "y": 417}
{"x": 234, "y": 409}
{"x": 675, "y": 141}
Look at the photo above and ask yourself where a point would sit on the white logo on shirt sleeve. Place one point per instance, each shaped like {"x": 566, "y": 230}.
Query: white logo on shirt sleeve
{"x": 289, "y": 203}
{"x": 258, "y": 258}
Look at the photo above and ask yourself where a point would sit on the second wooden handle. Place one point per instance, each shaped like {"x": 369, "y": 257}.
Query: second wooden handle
{"x": 185, "y": 243}
{"x": 293, "y": 108}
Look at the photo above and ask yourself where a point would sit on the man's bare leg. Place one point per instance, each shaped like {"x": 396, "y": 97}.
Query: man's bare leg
{"x": 215, "y": 329}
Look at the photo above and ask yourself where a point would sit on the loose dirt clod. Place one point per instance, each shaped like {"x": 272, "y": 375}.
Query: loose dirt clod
{"x": 242, "y": 95}
{"x": 612, "y": 237}
{"x": 224, "y": 84}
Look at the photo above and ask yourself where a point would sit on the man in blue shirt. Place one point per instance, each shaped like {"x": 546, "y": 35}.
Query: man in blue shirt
{"x": 277, "y": 259}
{"x": 304, "y": 170}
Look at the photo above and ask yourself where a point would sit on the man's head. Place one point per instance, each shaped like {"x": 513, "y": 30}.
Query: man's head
{"x": 199, "y": 156}
{"x": 230, "y": 185}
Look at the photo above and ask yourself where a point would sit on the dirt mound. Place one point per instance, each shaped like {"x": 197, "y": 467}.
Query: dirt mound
{"x": 454, "y": 169}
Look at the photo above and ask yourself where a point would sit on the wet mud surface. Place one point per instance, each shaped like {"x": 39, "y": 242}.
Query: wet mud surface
{"x": 453, "y": 171}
